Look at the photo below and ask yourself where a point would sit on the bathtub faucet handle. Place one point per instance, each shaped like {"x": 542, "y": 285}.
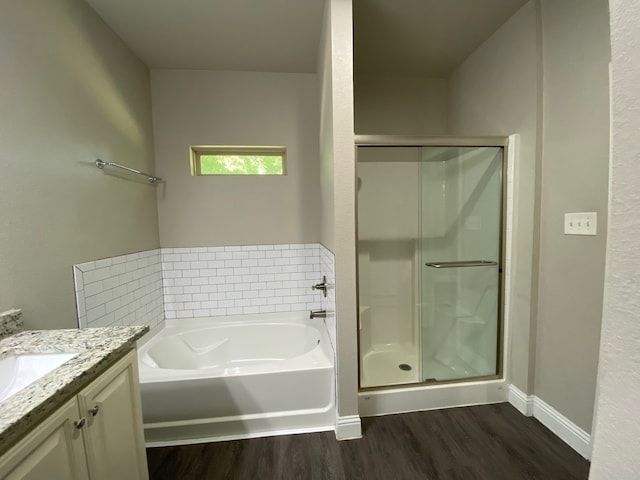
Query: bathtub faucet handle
{"x": 317, "y": 314}
{"x": 321, "y": 286}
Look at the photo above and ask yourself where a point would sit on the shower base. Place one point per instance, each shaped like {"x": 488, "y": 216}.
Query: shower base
{"x": 381, "y": 366}
{"x": 389, "y": 366}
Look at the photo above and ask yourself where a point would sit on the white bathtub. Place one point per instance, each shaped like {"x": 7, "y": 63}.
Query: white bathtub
{"x": 210, "y": 379}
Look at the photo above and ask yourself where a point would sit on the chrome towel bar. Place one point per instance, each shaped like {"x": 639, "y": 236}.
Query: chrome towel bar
{"x": 468, "y": 263}
{"x": 150, "y": 178}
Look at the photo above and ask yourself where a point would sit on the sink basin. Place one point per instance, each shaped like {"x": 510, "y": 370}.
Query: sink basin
{"x": 18, "y": 371}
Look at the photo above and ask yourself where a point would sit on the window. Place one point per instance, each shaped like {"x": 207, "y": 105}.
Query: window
{"x": 238, "y": 161}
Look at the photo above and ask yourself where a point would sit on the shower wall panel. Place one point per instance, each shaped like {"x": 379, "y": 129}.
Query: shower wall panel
{"x": 388, "y": 193}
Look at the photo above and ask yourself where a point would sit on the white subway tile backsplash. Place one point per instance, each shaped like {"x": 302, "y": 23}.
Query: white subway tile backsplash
{"x": 95, "y": 313}
{"x": 195, "y": 282}
{"x": 123, "y": 290}
{"x": 252, "y": 275}
{"x": 233, "y": 279}
{"x": 328, "y": 303}
{"x": 105, "y": 262}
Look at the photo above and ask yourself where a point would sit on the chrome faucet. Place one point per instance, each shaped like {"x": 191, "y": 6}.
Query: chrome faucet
{"x": 317, "y": 314}
{"x": 321, "y": 286}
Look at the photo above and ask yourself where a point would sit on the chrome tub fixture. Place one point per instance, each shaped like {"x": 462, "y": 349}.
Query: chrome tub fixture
{"x": 321, "y": 286}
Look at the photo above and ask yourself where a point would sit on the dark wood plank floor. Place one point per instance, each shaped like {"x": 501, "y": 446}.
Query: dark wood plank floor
{"x": 485, "y": 442}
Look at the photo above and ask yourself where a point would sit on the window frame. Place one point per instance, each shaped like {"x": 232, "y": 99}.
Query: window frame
{"x": 198, "y": 150}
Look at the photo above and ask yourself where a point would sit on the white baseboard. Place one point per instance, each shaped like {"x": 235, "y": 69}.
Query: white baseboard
{"x": 523, "y": 402}
{"x": 348, "y": 427}
{"x": 564, "y": 428}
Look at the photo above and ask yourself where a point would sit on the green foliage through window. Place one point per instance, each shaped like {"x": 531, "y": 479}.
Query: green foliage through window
{"x": 241, "y": 164}
{"x": 244, "y": 160}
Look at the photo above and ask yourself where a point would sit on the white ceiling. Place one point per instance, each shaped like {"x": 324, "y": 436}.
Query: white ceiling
{"x": 402, "y": 37}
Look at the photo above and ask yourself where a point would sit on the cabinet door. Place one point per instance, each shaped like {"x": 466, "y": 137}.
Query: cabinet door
{"x": 53, "y": 450}
{"x": 114, "y": 439}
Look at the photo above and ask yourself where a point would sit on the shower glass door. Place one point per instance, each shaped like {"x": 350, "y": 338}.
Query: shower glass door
{"x": 460, "y": 261}
{"x": 388, "y": 265}
{"x": 429, "y": 253}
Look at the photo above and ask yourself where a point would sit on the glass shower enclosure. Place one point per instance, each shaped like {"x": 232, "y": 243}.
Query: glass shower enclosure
{"x": 429, "y": 261}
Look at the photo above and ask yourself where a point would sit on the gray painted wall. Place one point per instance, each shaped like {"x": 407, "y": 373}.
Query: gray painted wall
{"x": 201, "y": 107}
{"x": 71, "y": 92}
{"x": 575, "y": 176}
{"x": 543, "y": 74}
{"x": 495, "y": 92}
{"x": 400, "y": 105}
{"x": 338, "y": 195}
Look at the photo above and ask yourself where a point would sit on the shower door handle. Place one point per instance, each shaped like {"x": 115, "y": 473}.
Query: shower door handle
{"x": 468, "y": 263}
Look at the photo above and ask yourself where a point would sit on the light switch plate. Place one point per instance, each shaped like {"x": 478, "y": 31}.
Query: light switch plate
{"x": 582, "y": 223}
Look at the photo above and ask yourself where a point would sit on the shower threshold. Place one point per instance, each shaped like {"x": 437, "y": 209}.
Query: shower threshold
{"x": 431, "y": 395}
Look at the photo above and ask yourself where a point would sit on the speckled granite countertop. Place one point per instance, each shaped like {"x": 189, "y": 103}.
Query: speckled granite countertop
{"x": 97, "y": 348}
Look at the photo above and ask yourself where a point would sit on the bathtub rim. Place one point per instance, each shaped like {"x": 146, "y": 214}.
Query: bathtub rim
{"x": 301, "y": 316}
{"x": 325, "y": 359}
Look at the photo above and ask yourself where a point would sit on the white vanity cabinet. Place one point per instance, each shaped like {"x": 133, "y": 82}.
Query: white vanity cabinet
{"x": 54, "y": 450}
{"x": 96, "y": 435}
